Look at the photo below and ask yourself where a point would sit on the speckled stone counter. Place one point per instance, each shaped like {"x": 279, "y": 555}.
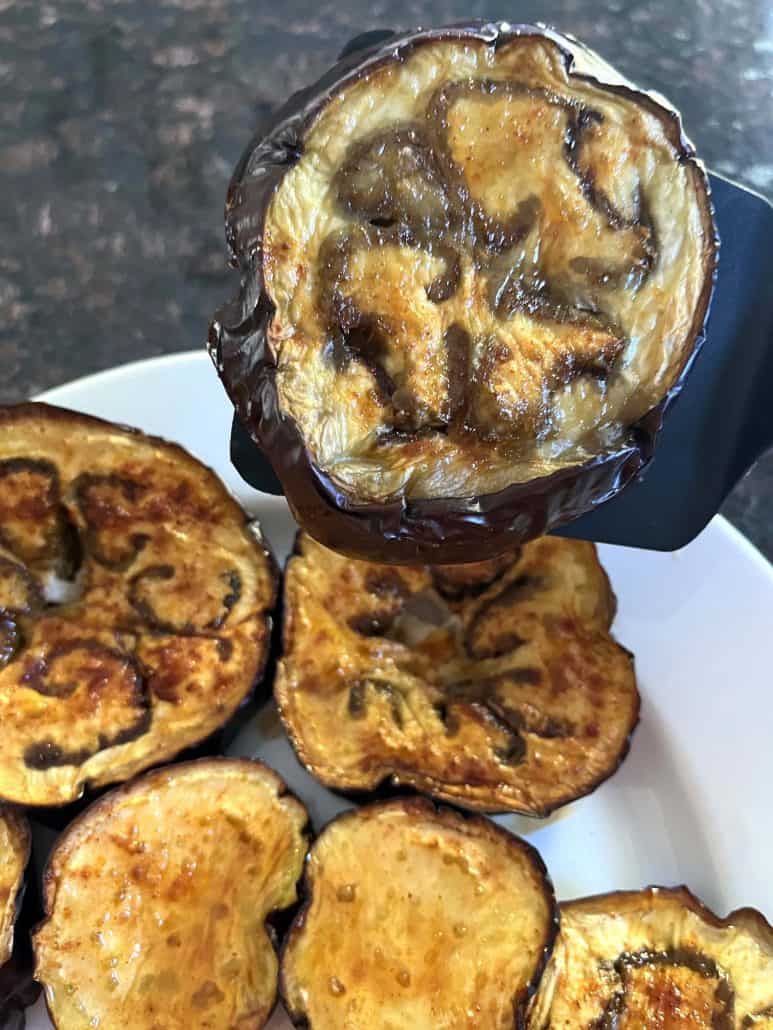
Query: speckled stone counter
{"x": 120, "y": 121}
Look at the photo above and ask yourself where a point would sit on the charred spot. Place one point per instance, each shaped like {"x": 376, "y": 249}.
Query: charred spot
{"x": 47, "y": 475}
{"x": 225, "y": 649}
{"x": 458, "y": 343}
{"x": 499, "y": 645}
{"x": 47, "y": 754}
{"x": 357, "y": 704}
{"x": 514, "y": 752}
{"x": 526, "y": 675}
{"x": 108, "y": 504}
{"x": 371, "y": 624}
{"x": 140, "y": 591}
{"x": 109, "y": 688}
{"x": 92, "y": 661}
{"x": 467, "y": 581}
{"x": 234, "y": 583}
{"x": 527, "y": 719}
{"x": 367, "y": 344}
{"x": 20, "y": 592}
{"x": 34, "y": 524}
{"x": 393, "y": 177}
{"x": 674, "y": 958}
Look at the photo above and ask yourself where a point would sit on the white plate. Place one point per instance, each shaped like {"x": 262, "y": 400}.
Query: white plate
{"x": 692, "y": 802}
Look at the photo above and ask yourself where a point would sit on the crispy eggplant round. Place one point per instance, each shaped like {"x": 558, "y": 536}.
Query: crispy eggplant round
{"x": 475, "y": 268}
{"x": 14, "y": 854}
{"x": 156, "y": 901}
{"x": 495, "y": 685}
{"x": 654, "y": 959}
{"x": 135, "y": 603}
{"x": 418, "y": 916}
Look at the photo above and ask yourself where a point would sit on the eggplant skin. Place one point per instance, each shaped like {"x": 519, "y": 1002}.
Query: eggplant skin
{"x": 417, "y": 915}
{"x": 496, "y": 686}
{"x": 656, "y": 958}
{"x": 423, "y": 393}
{"x": 135, "y": 603}
{"x": 14, "y": 855}
{"x": 156, "y": 901}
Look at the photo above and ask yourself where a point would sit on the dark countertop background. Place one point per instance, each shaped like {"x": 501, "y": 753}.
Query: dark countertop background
{"x": 120, "y": 122}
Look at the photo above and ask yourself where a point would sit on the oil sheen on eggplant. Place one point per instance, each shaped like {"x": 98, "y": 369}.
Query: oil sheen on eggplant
{"x": 417, "y": 917}
{"x": 14, "y": 852}
{"x": 496, "y": 685}
{"x": 656, "y": 959}
{"x": 471, "y": 265}
{"x": 134, "y": 603}
{"x": 156, "y": 901}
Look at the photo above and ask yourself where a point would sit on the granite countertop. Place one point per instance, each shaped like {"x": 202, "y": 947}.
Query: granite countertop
{"x": 120, "y": 122}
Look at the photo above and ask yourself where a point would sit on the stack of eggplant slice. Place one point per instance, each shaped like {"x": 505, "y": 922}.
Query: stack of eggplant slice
{"x": 440, "y": 369}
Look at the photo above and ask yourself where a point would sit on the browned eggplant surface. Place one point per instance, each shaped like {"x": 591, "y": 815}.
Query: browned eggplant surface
{"x": 656, "y": 959}
{"x": 470, "y": 266}
{"x": 495, "y": 685}
{"x": 156, "y": 901}
{"x": 134, "y": 601}
{"x": 14, "y": 852}
{"x": 417, "y": 917}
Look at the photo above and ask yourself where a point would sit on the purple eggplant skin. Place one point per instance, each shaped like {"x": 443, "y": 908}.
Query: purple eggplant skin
{"x": 403, "y": 530}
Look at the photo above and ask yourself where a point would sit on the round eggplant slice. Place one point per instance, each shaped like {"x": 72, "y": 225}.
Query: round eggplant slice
{"x": 495, "y": 685}
{"x": 418, "y": 917}
{"x": 156, "y": 901}
{"x": 134, "y": 603}
{"x": 14, "y": 853}
{"x": 654, "y": 959}
{"x": 476, "y": 265}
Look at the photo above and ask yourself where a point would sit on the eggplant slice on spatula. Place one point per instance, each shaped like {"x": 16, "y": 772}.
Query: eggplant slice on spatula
{"x": 496, "y": 686}
{"x": 465, "y": 308}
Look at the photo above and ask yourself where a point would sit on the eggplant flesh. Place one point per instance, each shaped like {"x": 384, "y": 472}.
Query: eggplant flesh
{"x": 134, "y": 603}
{"x": 14, "y": 853}
{"x": 156, "y": 901}
{"x": 495, "y": 685}
{"x": 653, "y": 959}
{"x": 493, "y": 275}
{"x": 417, "y": 916}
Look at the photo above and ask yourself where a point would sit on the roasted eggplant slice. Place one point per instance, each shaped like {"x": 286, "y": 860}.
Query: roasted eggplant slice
{"x": 417, "y": 917}
{"x": 495, "y": 685}
{"x": 134, "y": 603}
{"x": 656, "y": 959}
{"x": 476, "y": 266}
{"x": 14, "y": 852}
{"x": 156, "y": 901}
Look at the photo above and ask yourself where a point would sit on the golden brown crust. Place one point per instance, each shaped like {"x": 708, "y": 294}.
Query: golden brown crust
{"x": 156, "y": 900}
{"x": 410, "y": 917}
{"x": 656, "y": 958}
{"x": 165, "y": 595}
{"x": 496, "y": 686}
{"x": 14, "y": 855}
